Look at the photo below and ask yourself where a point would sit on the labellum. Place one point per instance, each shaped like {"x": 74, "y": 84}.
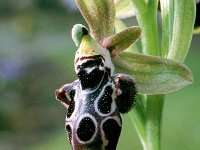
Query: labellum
{"x": 95, "y": 100}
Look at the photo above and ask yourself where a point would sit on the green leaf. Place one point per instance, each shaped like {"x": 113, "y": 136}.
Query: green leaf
{"x": 183, "y": 24}
{"x": 124, "y": 9}
{"x": 153, "y": 75}
{"x": 167, "y": 14}
{"x": 99, "y": 15}
{"x": 122, "y": 40}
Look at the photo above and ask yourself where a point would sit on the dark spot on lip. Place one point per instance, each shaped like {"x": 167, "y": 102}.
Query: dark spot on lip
{"x": 92, "y": 79}
{"x": 86, "y": 129}
{"x": 112, "y": 132}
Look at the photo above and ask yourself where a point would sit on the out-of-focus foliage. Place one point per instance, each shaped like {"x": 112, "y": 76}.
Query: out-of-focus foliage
{"x": 8, "y": 7}
{"x": 36, "y": 57}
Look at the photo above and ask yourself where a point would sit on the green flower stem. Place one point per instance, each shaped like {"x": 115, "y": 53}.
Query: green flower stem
{"x": 153, "y": 121}
{"x": 148, "y": 124}
{"x": 147, "y": 19}
{"x": 138, "y": 118}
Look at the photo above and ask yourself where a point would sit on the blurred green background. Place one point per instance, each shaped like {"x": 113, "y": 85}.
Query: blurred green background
{"x": 36, "y": 57}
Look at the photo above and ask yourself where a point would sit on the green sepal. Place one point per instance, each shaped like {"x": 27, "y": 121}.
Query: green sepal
{"x": 122, "y": 40}
{"x": 99, "y": 15}
{"x": 78, "y": 31}
{"x": 153, "y": 75}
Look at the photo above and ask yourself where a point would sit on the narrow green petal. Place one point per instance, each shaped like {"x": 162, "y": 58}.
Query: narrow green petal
{"x": 153, "y": 75}
{"x": 122, "y": 40}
